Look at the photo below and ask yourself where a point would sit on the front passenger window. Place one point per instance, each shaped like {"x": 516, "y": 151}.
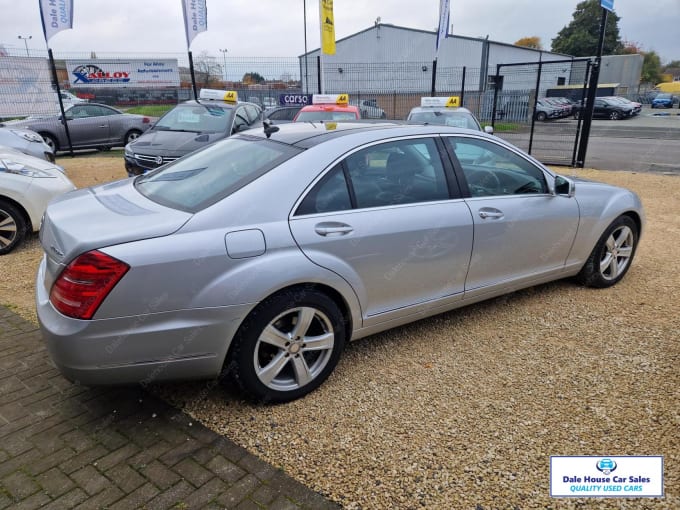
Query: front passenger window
{"x": 491, "y": 169}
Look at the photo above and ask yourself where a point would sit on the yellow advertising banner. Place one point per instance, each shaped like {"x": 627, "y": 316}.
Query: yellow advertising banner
{"x": 327, "y": 27}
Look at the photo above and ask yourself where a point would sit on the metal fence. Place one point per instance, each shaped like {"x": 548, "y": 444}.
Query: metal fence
{"x": 505, "y": 96}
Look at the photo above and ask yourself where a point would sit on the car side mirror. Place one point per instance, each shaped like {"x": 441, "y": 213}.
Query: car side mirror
{"x": 564, "y": 186}
{"x": 488, "y": 130}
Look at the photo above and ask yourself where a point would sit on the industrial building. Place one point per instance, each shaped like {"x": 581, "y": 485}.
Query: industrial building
{"x": 392, "y": 59}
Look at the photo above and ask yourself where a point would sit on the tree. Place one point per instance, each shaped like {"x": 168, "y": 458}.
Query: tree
{"x": 530, "y": 42}
{"x": 631, "y": 48}
{"x": 252, "y": 78}
{"x": 580, "y": 37}
{"x": 207, "y": 70}
{"x": 651, "y": 68}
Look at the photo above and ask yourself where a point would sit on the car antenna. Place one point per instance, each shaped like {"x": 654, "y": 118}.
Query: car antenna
{"x": 269, "y": 128}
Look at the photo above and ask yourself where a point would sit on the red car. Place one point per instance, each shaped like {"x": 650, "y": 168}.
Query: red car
{"x": 331, "y": 107}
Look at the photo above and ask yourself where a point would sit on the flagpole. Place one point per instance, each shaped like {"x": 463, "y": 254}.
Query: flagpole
{"x": 304, "y": 18}
{"x": 55, "y": 79}
{"x": 322, "y": 85}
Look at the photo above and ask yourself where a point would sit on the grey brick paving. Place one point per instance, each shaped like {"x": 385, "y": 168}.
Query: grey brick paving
{"x": 68, "y": 446}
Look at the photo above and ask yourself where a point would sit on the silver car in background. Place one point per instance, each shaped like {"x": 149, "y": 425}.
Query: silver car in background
{"x": 261, "y": 255}
{"x": 90, "y": 125}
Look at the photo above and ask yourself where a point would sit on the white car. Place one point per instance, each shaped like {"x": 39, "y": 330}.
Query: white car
{"x": 27, "y": 184}
{"x": 26, "y": 141}
{"x": 369, "y": 109}
{"x": 69, "y": 99}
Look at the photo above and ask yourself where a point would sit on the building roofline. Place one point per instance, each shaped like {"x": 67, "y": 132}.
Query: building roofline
{"x": 433, "y": 33}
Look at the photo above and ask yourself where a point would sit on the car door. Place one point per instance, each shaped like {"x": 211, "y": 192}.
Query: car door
{"x": 388, "y": 220}
{"x": 601, "y": 108}
{"x": 87, "y": 126}
{"x": 521, "y": 229}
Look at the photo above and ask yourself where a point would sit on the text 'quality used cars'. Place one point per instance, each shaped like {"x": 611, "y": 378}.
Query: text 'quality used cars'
{"x": 263, "y": 254}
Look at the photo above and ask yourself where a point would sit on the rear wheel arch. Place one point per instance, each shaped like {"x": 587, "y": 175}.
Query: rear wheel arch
{"x": 332, "y": 293}
{"x": 250, "y": 357}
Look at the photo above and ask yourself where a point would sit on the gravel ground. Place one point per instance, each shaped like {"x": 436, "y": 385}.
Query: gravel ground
{"x": 463, "y": 410}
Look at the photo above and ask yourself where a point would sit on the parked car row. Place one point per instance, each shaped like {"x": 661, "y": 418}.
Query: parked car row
{"x": 613, "y": 108}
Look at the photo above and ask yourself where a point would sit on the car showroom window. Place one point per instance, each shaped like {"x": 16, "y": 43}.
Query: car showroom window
{"x": 328, "y": 195}
{"x": 400, "y": 172}
{"x": 491, "y": 169}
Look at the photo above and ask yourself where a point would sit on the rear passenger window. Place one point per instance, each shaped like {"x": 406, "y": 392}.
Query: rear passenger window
{"x": 328, "y": 195}
{"x": 401, "y": 172}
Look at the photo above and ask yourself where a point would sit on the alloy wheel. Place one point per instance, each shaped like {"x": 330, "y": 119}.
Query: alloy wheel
{"x": 617, "y": 253}
{"x": 294, "y": 348}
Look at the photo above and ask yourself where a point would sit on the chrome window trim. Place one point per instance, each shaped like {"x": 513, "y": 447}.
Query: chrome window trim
{"x": 339, "y": 159}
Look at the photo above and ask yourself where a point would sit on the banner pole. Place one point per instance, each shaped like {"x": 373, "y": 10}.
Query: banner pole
{"x": 193, "y": 76}
{"x": 55, "y": 80}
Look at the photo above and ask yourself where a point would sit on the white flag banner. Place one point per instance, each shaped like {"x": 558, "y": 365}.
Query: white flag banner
{"x": 56, "y": 15}
{"x": 443, "y": 22}
{"x": 195, "y": 18}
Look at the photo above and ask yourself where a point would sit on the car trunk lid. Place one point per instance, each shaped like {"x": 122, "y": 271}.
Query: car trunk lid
{"x": 94, "y": 218}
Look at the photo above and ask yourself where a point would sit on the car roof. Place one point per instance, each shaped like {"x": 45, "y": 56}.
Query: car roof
{"x": 461, "y": 109}
{"x": 309, "y": 134}
{"x": 220, "y": 104}
{"x": 329, "y": 108}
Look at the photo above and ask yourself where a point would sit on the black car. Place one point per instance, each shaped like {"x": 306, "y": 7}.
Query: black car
{"x": 187, "y": 127}
{"x": 607, "y": 108}
{"x": 282, "y": 114}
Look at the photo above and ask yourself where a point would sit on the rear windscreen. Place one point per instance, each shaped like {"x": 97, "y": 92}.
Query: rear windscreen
{"x": 204, "y": 177}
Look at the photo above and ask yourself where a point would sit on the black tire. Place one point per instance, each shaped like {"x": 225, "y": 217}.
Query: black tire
{"x": 622, "y": 236}
{"x": 541, "y": 116}
{"x": 51, "y": 141}
{"x": 295, "y": 367}
{"x": 132, "y": 135}
{"x": 614, "y": 115}
{"x": 12, "y": 227}
{"x": 577, "y": 115}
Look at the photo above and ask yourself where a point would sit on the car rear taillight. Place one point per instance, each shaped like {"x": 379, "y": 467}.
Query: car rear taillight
{"x": 83, "y": 285}
{"x": 146, "y": 120}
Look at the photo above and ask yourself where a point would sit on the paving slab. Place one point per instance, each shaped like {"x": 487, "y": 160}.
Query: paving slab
{"x": 65, "y": 446}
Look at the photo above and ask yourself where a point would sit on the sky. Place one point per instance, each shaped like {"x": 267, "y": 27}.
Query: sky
{"x": 275, "y": 28}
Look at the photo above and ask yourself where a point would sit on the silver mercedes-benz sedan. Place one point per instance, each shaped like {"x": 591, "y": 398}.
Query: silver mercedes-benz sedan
{"x": 261, "y": 255}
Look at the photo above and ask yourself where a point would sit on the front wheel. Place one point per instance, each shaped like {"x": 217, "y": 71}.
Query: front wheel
{"x": 132, "y": 135}
{"x": 611, "y": 258}
{"x": 287, "y": 346}
{"x": 50, "y": 141}
{"x": 541, "y": 116}
{"x": 12, "y": 227}
{"x": 614, "y": 116}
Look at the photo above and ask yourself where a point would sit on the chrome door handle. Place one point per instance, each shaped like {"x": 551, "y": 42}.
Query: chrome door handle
{"x": 495, "y": 213}
{"x": 103, "y": 126}
{"x": 332, "y": 229}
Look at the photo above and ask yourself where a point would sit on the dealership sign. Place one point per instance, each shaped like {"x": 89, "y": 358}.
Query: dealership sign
{"x": 123, "y": 73}
{"x": 295, "y": 99}
{"x": 606, "y": 477}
